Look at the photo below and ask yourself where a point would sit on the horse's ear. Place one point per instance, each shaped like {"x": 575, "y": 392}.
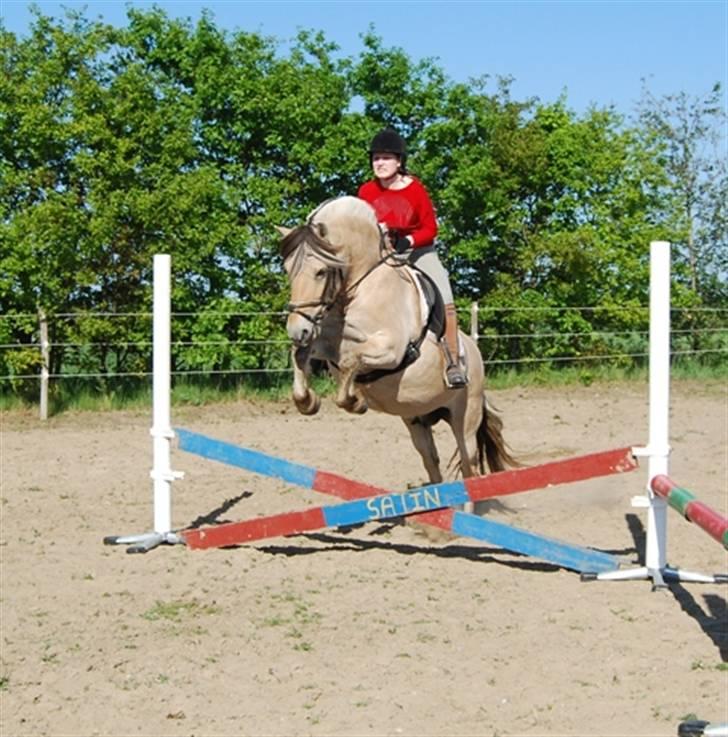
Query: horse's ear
{"x": 283, "y": 230}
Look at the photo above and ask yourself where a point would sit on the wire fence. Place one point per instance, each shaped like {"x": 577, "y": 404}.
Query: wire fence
{"x": 112, "y": 346}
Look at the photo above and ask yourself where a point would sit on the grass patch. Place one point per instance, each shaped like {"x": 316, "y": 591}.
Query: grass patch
{"x": 176, "y": 611}
{"x": 550, "y": 376}
{"x": 75, "y": 396}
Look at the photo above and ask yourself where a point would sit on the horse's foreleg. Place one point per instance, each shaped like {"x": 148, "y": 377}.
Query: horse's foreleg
{"x": 421, "y": 433}
{"x": 348, "y": 396}
{"x": 306, "y": 400}
{"x": 376, "y": 352}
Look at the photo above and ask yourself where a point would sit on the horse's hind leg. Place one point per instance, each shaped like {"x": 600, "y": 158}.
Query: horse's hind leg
{"x": 421, "y": 433}
{"x": 464, "y": 423}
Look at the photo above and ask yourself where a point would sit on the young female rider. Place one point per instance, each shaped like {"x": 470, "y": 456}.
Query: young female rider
{"x": 405, "y": 211}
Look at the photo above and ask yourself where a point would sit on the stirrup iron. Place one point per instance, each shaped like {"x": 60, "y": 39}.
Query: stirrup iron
{"x": 455, "y": 377}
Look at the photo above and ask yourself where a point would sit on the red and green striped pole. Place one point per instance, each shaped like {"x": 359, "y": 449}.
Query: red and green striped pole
{"x": 715, "y": 524}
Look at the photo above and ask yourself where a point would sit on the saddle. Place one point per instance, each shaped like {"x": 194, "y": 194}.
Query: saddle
{"x": 435, "y": 323}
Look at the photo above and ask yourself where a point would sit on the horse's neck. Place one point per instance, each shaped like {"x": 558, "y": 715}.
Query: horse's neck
{"x": 359, "y": 269}
{"x": 359, "y": 246}
{"x": 361, "y": 258}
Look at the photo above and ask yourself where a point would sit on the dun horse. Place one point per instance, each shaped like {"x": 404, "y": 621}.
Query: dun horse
{"x": 354, "y": 306}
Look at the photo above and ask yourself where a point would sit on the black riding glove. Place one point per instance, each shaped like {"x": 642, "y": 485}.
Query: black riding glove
{"x": 402, "y": 244}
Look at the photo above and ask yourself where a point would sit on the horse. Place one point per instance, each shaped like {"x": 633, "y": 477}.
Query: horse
{"x": 357, "y": 307}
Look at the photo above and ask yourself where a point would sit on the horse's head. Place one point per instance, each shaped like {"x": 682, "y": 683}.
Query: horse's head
{"x": 316, "y": 274}
{"x": 326, "y": 259}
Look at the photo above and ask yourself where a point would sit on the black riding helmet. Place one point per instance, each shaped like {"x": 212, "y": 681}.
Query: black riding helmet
{"x": 388, "y": 141}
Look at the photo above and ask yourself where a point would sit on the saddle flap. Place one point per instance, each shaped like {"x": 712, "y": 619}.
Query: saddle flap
{"x": 435, "y": 306}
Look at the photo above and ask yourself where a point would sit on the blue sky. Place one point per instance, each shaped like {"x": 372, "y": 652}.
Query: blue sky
{"x": 593, "y": 51}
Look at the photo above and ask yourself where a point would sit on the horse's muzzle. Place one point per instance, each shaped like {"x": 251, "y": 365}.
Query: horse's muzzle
{"x": 302, "y": 330}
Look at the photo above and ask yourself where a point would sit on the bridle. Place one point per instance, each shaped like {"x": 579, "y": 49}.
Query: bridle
{"x": 295, "y": 245}
{"x": 312, "y": 236}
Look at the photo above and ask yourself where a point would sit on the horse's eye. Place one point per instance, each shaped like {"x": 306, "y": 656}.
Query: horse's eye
{"x": 321, "y": 274}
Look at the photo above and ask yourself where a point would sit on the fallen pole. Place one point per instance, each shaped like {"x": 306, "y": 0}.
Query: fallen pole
{"x": 475, "y": 489}
{"x": 428, "y": 504}
{"x": 510, "y": 538}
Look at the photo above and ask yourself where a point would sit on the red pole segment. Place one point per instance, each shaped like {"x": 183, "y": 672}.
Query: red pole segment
{"x": 710, "y": 521}
{"x": 566, "y": 471}
{"x": 237, "y": 533}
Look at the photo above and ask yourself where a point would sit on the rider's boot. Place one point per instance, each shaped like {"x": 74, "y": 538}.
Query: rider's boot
{"x": 454, "y": 376}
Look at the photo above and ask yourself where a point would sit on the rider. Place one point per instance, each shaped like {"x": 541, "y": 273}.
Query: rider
{"x": 405, "y": 212}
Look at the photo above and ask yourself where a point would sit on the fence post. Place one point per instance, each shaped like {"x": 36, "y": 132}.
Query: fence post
{"x": 474, "y": 321}
{"x": 45, "y": 360}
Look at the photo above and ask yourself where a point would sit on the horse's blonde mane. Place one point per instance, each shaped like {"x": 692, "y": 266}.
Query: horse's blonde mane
{"x": 346, "y": 207}
{"x": 349, "y": 224}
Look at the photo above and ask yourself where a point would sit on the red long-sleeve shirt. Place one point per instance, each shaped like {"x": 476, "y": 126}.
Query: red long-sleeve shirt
{"x": 408, "y": 211}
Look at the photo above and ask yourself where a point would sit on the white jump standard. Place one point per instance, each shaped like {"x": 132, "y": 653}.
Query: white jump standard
{"x": 161, "y": 431}
{"x": 658, "y": 449}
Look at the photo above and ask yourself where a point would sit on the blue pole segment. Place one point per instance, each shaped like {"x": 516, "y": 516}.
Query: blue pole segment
{"x": 387, "y": 506}
{"x": 251, "y": 460}
{"x": 573, "y": 557}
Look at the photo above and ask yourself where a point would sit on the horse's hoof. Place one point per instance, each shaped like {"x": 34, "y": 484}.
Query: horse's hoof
{"x": 360, "y": 407}
{"x": 308, "y": 405}
{"x": 353, "y": 404}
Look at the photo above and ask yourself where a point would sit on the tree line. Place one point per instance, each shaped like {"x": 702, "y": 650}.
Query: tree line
{"x": 168, "y": 136}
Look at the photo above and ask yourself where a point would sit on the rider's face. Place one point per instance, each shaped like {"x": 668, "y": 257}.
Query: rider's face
{"x": 385, "y": 165}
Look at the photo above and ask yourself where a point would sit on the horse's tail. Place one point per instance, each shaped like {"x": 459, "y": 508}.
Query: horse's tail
{"x": 491, "y": 446}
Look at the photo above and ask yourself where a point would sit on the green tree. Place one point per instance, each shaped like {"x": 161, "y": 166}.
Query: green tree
{"x": 43, "y": 192}
{"x": 546, "y": 210}
{"x": 688, "y": 134}
{"x": 169, "y": 136}
{"x": 160, "y": 137}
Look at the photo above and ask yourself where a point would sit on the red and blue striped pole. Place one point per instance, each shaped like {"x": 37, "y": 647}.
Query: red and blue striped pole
{"x": 715, "y": 524}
